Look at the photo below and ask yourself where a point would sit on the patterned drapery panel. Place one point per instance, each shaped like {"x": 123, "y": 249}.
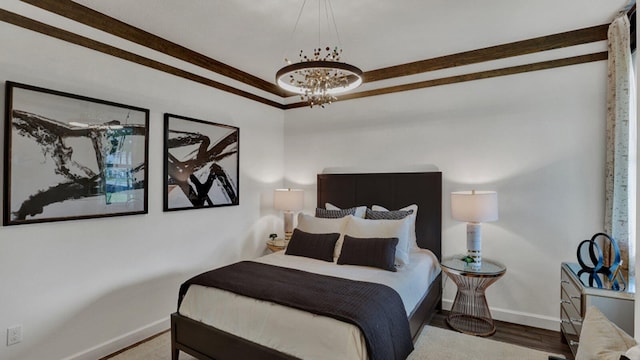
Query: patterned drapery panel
{"x": 621, "y": 145}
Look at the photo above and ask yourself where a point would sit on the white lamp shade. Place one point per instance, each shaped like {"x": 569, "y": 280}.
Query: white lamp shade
{"x": 474, "y": 206}
{"x": 288, "y": 199}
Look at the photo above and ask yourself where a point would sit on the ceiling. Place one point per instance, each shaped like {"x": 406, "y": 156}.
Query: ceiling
{"x": 256, "y": 36}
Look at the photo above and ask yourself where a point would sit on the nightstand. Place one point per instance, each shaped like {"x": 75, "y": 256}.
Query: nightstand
{"x": 277, "y": 244}
{"x": 470, "y": 312}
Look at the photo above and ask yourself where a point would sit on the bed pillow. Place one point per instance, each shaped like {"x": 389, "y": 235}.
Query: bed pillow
{"x": 412, "y": 234}
{"x": 374, "y": 252}
{"x": 387, "y": 214}
{"x": 314, "y": 246}
{"x": 334, "y": 214}
{"x": 365, "y": 228}
{"x": 314, "y": 225}
{"x": 360, "y": 210}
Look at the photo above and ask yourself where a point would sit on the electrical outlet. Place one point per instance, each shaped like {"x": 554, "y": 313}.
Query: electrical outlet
{"x": 14, "y": 335}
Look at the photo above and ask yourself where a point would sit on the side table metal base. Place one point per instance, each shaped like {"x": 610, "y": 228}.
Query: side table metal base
{"x": 471, "y": 325}
{"x": 470, "y": 312}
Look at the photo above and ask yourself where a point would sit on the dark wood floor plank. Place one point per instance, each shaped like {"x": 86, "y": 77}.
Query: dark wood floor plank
{"x": 530, "y": 337}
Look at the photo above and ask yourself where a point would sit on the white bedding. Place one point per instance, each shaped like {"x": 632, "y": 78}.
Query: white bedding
{"x": 289, "y": 330}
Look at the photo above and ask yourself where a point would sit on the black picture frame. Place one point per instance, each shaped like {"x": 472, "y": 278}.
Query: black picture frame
{"x": 201, "y": 164}
{"x": 71, "y": 157}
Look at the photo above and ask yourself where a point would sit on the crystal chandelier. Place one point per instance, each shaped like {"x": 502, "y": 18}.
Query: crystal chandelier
{"x": 320, "y": 77}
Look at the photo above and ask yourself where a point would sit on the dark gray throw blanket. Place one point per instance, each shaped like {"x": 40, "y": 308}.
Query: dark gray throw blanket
{"x": 376, "y": 309}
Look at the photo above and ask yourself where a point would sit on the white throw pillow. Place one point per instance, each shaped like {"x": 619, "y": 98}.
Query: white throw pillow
{"x": 600, "y": 339}
{"x": 413, "y": 241}
{"x": 360, "y": 210}
{"x": 314, "y": 225}
{"x": 633, "y": 353}
{"x": 366, "y": 228}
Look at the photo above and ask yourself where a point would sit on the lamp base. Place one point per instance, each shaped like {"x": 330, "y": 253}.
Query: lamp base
{"x": 474, "y": 244}
{"x": 288, "y": 225}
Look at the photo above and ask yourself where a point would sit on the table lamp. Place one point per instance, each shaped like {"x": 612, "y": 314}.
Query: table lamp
{"x": 288, "y": 200}
{"x": 474, "y": 207}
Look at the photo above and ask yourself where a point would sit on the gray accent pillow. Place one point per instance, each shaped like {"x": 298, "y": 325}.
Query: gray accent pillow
{"x": 314, "y": 246}
{"x": 387, "y": 215}
{"x": 334, "y": 214}
{"x": 374, "y": 252}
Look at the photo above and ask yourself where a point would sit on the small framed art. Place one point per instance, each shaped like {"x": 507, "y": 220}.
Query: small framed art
{"x": 202, "y": 162}
{"x": 72, "y": 157}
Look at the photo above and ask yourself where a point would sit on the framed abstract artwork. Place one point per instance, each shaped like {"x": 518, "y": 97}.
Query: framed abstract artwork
{"x": 202, "y": 162}
{"x": 72, "y": 157}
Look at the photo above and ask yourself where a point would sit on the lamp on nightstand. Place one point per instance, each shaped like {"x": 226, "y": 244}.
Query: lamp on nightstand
{"x": 474, "y": 207}
{"x": 288, "y": 200}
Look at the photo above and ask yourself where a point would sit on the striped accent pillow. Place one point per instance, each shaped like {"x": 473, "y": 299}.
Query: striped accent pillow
{"x": 334, "y": 214}
{"x": 387, "y": 215}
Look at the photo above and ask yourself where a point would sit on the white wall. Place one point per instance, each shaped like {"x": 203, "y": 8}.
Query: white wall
{"x": 83, "y": 289}
{"x": 535, "y": 138}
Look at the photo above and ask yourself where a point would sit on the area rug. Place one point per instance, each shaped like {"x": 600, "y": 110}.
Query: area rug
{"x": 436, "y": 343}
{"x": 433, "y": 343}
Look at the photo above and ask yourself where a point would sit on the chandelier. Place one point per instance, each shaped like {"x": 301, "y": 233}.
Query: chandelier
{"x": 318, "y": 78}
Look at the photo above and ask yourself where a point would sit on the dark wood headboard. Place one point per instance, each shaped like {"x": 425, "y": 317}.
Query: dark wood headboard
{"x": 393, "y": 191}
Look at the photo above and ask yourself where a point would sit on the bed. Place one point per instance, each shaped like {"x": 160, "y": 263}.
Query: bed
{"x": 390, "y": 190}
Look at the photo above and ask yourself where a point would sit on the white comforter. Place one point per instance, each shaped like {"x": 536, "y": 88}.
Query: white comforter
{"x": 300, "y": 333}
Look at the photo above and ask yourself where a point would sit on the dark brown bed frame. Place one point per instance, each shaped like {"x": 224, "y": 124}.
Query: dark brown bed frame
{"x": 391, "y": 190}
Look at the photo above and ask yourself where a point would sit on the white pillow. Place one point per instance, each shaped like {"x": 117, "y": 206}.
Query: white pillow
{"x": 412, "y": 233}
{"x": 314, "y": 225}
{"x": 633, "y": 353}
{"x": 600, "y": 339}
{"x": 360, "y": 210}
{"x": 366, "y": 228}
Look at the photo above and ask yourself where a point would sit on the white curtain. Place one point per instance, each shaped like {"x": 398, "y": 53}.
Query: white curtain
{"x": 620, "y": 169}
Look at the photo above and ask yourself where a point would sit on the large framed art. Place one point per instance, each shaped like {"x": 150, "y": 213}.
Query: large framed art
{"x": 72, "y": 157}
{"x": 202, "y": 162}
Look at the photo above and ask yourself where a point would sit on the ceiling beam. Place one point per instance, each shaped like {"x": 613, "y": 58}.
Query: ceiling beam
{"x": 469, "y": 77}
{"x": 529, "y": 46}
{"x": 108, "y": 24}
{"x": 64, "y": 35}
{"x": 98, "y": 20}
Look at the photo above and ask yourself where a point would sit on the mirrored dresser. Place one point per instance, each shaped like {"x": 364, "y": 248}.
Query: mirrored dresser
{"x": 578, "y": 292}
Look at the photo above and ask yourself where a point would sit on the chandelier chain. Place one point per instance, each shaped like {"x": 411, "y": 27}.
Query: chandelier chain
{"x": 335, "y": 24}
{"x": 293, "y": 32}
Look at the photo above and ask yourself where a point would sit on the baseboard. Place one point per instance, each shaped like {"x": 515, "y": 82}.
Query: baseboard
{"x": 517, "y": 317}
{"x": 123, "y": 341}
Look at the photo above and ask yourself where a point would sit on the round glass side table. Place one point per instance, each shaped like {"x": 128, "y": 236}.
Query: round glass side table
{"x": 470, "y": 313}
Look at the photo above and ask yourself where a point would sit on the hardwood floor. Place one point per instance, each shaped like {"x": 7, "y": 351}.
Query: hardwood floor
{"x": 534, "y": 338}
